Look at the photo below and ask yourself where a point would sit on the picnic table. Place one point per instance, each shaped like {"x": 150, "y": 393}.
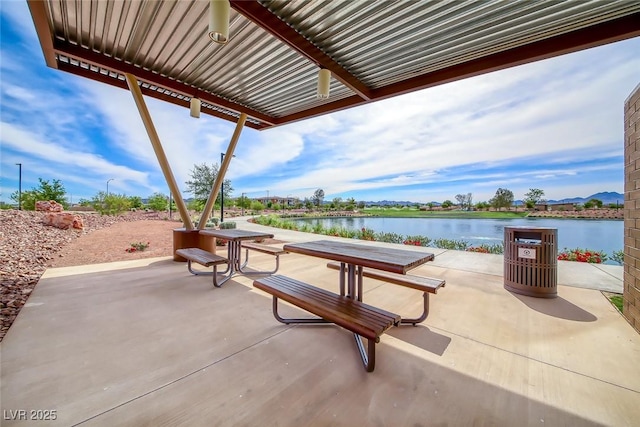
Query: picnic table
{"x": 346, "y": 309}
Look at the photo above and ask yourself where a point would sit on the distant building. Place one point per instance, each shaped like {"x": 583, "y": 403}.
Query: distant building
{"x": 289, "y": 202}
{"x": 555, "y": 207}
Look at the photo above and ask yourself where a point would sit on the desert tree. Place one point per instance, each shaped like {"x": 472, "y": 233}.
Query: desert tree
{"x": 318, "y": 197}
{"x": 502, "y": 199}
{"x": 44, "y": 191}
{"x": 202, "y": 178}
{"x": 533, "y": 197}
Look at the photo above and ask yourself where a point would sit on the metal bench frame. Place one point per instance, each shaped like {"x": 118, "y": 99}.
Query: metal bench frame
{"x": 425, "y": 284}
{"x": 332, "y": 308}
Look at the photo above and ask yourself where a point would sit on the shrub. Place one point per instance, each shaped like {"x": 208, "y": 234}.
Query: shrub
{"x": 137, "y": 247}
{"x": 389, "y": 237}
{"x": 458, "y": 245}
{"x": 618, "y": 256}
{"x": 227, "y": 225}
{"x": 497, "y": 248}
{"x": 582, "y": 255}
{"x": 617, "y": 301}
{"x": 113, "y": 204}
{"x": 366, "y": 234}
{"x": 416, "y": 241}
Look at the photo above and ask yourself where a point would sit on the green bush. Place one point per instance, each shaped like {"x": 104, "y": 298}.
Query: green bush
{"x": 616, "y": 300}
{"x": 618, "y": 256}
{"x": 227, "y": 225}
{"x": 366, "y": 234}
{"x": 389, "y": 237}
{"x": 458, "y": 245}
{"x": 113, "y": 204}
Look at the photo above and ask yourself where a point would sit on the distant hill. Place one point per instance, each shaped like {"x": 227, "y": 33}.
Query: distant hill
{"x": 606, "y": 197}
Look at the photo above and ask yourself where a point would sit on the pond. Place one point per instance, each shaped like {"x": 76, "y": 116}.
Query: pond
{"x": 600, "y": 235}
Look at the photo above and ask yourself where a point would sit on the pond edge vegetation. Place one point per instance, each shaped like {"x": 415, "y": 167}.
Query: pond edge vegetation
{"x": 276, "y": 221}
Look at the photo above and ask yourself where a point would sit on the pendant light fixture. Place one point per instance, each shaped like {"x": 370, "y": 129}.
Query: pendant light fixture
{"x": 219, "y": 20}
{"x": 324, "y": 83}
{"x": 195, "y": 107}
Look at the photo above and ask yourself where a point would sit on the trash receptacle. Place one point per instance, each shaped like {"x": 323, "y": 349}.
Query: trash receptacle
{"x": 531, "y": 261}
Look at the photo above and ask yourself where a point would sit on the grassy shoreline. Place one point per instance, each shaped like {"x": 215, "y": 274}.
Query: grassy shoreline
{"x": 414, "y": 213}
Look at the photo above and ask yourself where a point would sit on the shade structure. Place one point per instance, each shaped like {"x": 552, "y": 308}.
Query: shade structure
{"x": 267, "y": 68}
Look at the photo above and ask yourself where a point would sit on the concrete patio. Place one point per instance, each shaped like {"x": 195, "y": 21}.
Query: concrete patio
{"x": 146, "y": 343}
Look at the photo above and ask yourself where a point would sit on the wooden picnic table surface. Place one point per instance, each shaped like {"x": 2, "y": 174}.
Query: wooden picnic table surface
{"x": 381, "y": 258}
{"x": 234, "y": 234}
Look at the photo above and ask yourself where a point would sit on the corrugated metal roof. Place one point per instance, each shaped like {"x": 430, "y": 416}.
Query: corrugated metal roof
{"x": 375, "y": 49}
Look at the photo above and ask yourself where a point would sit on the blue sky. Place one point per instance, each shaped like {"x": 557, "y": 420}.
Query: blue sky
{"x": 556, "y": 125}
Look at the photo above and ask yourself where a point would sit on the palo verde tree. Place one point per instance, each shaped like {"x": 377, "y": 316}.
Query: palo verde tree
{"x": 202, "y": 178}
{"x": 45, "y": 191}
{"x": 502, "y": 199}
{"x": 158, "y": 202}
{"x": 112, "y": 204}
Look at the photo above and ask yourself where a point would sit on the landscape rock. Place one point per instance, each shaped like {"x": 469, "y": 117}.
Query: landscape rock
{"x": 48, "y": 206}
{"x": 63, "y": 220}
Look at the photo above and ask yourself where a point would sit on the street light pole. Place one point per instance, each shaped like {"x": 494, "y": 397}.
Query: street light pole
{"x": 222, "y": 190}
{"x": 19, "y": 186}
{"x": 242, "y": 199}
{"x": 111, "y": 179}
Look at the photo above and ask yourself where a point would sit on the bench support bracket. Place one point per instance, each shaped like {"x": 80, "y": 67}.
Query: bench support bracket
{"x": 246, "y": 261}
{"x": 208, "y": 273}
{"x": 422, "y": 317}
{"x": 367, "y": 355}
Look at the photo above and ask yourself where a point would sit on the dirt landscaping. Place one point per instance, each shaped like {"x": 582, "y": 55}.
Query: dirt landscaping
{"x": 28, "y": 248}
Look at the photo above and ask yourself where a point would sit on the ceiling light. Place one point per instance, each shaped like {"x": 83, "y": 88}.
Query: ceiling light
{"x": 195, "y": 107}
{"x": 219, "y": 20}
{"x": 324, "y": 83}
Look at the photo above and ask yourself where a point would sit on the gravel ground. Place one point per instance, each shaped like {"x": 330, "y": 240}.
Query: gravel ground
{"x": 28, "y": 247}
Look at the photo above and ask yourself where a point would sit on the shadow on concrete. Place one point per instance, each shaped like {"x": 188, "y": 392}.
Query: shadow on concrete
{"x": 557, "y": 307}
{"x": 422, "y": 337}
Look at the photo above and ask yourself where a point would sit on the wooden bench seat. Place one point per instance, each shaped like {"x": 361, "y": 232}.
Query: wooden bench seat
{"x": 427, "y": 285}
{"x": 202, "y": 257}
{"x": 363, "y": 320}
{"x": 265, "y": 249}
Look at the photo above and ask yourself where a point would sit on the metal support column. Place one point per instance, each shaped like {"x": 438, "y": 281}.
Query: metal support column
{"x": 217, "y": 184}
{"x": 132, "y": 82}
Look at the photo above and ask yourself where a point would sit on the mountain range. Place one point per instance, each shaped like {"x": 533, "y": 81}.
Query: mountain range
{"x": 607, "y": 197}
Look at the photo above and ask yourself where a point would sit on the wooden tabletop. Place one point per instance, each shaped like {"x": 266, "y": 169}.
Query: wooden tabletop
{"x": 236, "y": 234}
{"x": 387, "y": 259}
